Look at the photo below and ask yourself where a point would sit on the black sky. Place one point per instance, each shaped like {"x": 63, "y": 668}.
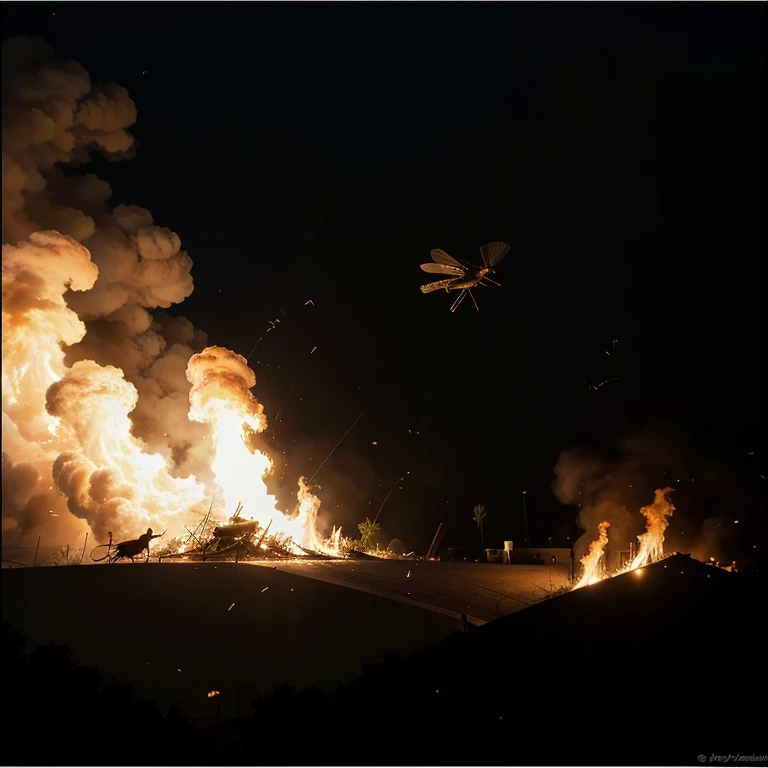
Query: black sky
{"x": 319, "y": 151}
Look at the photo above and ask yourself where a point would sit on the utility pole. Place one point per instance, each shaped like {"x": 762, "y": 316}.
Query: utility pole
{"x": 525, "y": 518}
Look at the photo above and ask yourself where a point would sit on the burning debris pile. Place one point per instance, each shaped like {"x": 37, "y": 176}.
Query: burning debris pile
{"x": 245, "y": 539}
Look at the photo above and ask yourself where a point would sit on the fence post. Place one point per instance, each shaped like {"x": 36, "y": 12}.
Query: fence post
{"x": 34, "y": 562}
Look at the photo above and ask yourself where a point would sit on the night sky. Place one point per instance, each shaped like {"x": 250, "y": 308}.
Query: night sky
{"x": 320, "y": 151}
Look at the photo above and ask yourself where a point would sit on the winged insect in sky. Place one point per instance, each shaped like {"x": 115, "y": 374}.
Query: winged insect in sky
{"x": 464, "y": 276}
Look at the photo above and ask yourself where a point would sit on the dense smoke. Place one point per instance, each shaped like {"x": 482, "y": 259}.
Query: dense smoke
{"x": 84, "y": 292}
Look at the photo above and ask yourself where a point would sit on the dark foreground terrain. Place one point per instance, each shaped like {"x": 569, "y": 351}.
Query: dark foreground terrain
{"x": 650, "y": 669}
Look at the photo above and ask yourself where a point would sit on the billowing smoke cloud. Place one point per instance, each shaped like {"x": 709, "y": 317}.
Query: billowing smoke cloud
{"x": 83, "y": 283}
{"x": 52, "y": 116}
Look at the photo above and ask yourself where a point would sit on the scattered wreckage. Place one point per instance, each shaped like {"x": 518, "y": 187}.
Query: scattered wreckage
{"x": 237, "y": 539}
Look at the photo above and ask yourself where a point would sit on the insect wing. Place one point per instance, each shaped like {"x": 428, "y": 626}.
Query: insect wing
{"x": 441, "y": 257}
{"x": 443, "y": 269}
{"x": 493, "y": 253}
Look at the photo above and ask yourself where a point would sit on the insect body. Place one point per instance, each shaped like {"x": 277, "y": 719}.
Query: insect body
{"x": 463, "y": 276}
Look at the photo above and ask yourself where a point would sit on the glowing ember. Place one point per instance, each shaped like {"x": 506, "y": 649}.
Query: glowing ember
{"x": 593, "y": 560}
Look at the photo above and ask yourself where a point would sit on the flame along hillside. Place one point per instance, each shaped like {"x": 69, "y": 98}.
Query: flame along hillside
{"x": 651, "y": 543}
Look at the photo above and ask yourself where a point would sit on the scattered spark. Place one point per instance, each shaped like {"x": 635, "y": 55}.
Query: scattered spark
{"x": 264, "y": 590}
{"x": 408, "y": 575}
{"x": 178, "y": 670}
{"x": 736, "y": 521}
{"x": 750, "y": 453}
{"x": 211, "y": 694}
{"x": 608, "y": 353}
{"x": 374, "y": 443}
{"x": 145, "y": 72}
{"x": 52, "y": 513}
{"x": 313, "y": 349}
{"x": 230, "y": 607}
{"x": 309, "y": 302}
{"x": 602, "y": 383}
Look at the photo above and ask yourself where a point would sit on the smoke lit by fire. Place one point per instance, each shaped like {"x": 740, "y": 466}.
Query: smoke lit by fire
{"x": 116, "y": 416}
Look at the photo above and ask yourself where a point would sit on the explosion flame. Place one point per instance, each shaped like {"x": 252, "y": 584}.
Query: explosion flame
{"x": 113, "y": 411}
